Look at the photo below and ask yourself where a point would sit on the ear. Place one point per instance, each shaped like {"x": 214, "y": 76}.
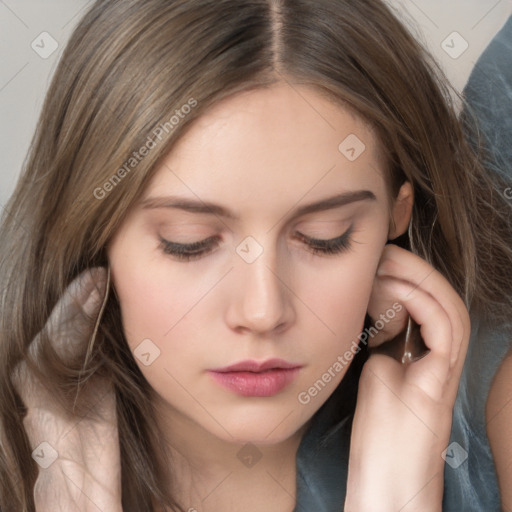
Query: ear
{"x": 402, "y": 211}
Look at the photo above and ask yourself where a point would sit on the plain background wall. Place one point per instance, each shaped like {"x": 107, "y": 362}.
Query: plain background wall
{"x": 29, "y": 29}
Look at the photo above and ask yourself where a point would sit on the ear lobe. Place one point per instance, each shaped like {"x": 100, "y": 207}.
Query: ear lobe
{"x": 402, "y": 211}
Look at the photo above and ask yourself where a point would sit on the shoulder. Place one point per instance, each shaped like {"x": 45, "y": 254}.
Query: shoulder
{"x": 498, "y": 415}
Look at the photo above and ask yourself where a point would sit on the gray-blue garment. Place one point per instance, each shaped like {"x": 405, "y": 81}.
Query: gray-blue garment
{"x": 473, "y": 485}
{"x": 470, "y": 476}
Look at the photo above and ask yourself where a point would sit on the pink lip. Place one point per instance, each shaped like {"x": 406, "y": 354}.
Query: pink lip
{"x": 250, "y": 378}
{"x": 253, "y": 366}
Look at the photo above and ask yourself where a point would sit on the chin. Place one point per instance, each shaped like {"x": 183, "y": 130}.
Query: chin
{"x": 264, "y": 429}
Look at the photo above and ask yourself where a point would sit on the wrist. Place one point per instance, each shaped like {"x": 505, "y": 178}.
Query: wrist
{"x": 65, "y": 485}
{"x": 392, "y": 469}
{"x": 400, "y": 479}
{"x": 390, "y": 492}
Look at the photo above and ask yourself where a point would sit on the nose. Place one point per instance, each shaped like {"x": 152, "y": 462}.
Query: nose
{"x": 262, "y": 300}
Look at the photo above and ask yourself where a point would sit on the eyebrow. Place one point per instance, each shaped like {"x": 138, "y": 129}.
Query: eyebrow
{"x": 205, "y": 207}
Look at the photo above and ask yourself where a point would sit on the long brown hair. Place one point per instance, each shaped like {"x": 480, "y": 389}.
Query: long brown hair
{"x": 126, "y": 75}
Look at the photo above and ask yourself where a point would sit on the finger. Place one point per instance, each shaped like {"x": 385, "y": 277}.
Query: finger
{"x": 66, "y": 328}
{"x": 71, "y": 321}
{"x": 432, "y": 372}
{"x": 406, "y": 266}
{"x": 80, "y": 301}
{"x": 24, "y": 382}
{"x": 389, "y": 317}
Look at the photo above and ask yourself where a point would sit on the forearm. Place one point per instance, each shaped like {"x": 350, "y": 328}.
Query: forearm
{"x": 395, "y": 461}
{"x": 393, "y": 489}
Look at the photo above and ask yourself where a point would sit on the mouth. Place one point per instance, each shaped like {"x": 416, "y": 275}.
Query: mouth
{"x": 251, "y": 378}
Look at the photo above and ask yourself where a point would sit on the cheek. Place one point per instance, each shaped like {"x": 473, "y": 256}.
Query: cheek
{"x": 158, "y": 330}
{"x": 152, "y": 300}
{"x": 341, "y": 300}
{"x": 344, "y": 292}
{"x": 150, "y": 307}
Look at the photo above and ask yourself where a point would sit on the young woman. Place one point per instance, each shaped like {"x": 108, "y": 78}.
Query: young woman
{"x": 196, "y": 260}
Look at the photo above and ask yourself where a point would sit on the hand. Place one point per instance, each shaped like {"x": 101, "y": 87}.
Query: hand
{"x": 403, "y": 415}
{"x": 86, "y": 476}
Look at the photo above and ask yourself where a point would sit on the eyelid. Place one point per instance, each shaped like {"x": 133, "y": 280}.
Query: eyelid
{"x": 328, "y": 226}
{"x": 199, "y": 244}
{"x": 206, "y": 241}
{"x": 345, "y": 237}
{"x": 196, "y": 250}
{"x": 323, "y": 240}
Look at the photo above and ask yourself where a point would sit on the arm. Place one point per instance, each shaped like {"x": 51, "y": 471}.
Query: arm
{"x": 498, "y": 415}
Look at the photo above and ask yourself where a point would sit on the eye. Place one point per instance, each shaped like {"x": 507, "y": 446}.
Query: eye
{"x": 336, "y": 245}
{"x": 188, "y": 252}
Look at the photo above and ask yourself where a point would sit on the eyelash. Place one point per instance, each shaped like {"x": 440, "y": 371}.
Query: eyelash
{"x": 188, "y": 252}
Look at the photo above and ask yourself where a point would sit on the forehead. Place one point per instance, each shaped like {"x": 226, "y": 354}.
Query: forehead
{"x": 272, "y": 147}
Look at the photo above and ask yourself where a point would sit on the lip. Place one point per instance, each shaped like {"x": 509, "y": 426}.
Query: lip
{"x": 255, "y": 366}
{"x": 252, "y": 378}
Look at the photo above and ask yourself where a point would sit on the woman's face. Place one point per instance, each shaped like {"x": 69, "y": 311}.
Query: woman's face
{"x": 259, "y": 176}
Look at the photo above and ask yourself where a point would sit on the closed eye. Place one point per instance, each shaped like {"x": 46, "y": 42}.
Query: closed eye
{"x": 195, "y": 250}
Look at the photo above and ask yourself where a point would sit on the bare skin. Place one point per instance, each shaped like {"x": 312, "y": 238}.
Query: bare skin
{"x": 87, "y": 474}
{"x": 245, "y": 153}
{"x": 499, "y": 417}
{"x": 412, "y": 404}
